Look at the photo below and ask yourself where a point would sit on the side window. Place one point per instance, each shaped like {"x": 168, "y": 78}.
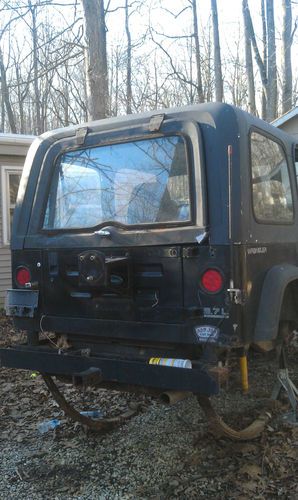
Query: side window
{"x": 296, "y": 162}
{"x": 271, "y": 188}
{"x": 10, "y": 179}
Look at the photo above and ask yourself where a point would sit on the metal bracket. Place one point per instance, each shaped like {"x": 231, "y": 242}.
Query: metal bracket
{"x": 81, "y": 135}
{"x": 155, "y": 122}
{"x": 201, "y": 237}
{"x": 21, "y": 303}
{"x": 284, "y": 381}
{"x": 103, "y": 232}
{"x": 91, "y": 376}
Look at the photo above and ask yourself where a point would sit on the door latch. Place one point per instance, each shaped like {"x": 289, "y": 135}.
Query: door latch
{"x": 236, "y": 295}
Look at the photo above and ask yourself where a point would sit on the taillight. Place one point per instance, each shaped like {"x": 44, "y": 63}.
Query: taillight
{"x": 23, "y": 276}
{"x": 212, "y": 281}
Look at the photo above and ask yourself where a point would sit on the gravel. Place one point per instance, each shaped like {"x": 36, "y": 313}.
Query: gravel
{"x": 164, "y": 452}
{"x": 161, "y": 453}
{"x": 150, "y": 454}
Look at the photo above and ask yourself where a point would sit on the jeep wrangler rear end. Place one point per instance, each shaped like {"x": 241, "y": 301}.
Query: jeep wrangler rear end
{"x": 168, "y": 235}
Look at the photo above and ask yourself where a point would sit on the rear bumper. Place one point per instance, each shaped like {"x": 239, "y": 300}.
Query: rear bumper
{"x": 189, "y": 333}
{"x": 22, "y": 305}
{"x": 140, "y": 373}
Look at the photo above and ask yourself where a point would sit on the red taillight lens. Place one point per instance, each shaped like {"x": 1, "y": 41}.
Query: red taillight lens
{"x": 212, "y": 281}
{"x": 23, "y": 276}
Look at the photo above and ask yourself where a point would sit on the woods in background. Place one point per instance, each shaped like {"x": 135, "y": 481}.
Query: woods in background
{"x": 63, "y": 62}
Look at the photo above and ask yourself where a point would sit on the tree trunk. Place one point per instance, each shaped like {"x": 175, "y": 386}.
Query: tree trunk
{"x": 20, "y": 99}
{"x": 190, "y": 57}
{"x": 197, "y": 51}
{"x": 249, "y": 63}
{"x": 265, "y": 59}
{"x": 260, "y": 62}
{"x": 96, "y": 63}
{"x": 156, "y": 89}
{"x": 5, "y": 97}
{"x": 271, "y": 70}
{"x": 117, "y": 82}
{"x": 2, "y": 114}
{"x": 217, "y": 58}
{"x": 287, "y": 86}
{"x": 208, "y": 83}
{"x": 66, "y": 103}
{"x": 39, "y": 128}
{"x": 128, "y": 63}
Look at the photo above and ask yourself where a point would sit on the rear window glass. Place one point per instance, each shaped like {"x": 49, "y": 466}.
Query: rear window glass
{"x": 141, "y": 182}
{"x": 271, "y": 188}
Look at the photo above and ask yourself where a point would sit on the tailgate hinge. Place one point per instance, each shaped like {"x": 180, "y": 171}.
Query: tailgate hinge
{"x": 156, "y": 122}
{"x": 81, "y": 135}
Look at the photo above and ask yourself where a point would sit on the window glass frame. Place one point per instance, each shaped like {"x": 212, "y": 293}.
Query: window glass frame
{"x": 295, "y": 159}
{"x": 6, "y": 171}
{"x": 270, "y": 222}
{"x": 145, "y": 225}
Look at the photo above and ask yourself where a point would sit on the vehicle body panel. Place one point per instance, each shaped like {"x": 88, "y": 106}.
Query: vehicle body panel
{"x": 151, "y": 300}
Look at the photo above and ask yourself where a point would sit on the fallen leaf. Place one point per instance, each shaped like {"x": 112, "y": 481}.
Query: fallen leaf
{"x": 252, "y": 470}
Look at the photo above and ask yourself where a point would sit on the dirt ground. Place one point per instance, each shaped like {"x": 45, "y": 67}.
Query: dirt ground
{"x": 161, "y": 453}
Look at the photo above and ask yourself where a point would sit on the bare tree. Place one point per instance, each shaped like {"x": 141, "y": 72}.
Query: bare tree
{"x": 207, "y": 73}
{"x": 271, "y": 67}
{"x": 236, "y": 75}
{"x": 21, "y": 84}
{"x": 34, "y": 34}
{"x": 249, "y": 62}
{"x": 267, "y": 65}
{"x": 44, "y": 83}
{"x": 197, "y": 50}
{"x": 5, "y": 96}
{"x": 217, "y": 57}
{"x": 265, "y": 60}
{"x": 128, "y": 64}
{"x": 115, "y": 69}
{"x": 5, "y": 91}
{"x": 176, "y": 67}
{"x": 287, "y": 40}
{"x": 96, "y": 59}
